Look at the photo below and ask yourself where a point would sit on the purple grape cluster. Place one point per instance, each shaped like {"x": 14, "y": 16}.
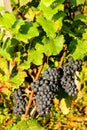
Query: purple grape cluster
{"x": 45, "y": 87}
{"x": 68, "y": 79}
{"x": 53, "y": 78}
{"x": 19, "y": 102}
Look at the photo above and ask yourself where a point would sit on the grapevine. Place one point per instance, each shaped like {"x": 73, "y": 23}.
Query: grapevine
{"x": 43, "y": 64}
{"x": 52, "y": 79}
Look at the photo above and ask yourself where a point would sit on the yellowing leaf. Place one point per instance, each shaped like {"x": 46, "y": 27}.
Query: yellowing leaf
{"x": 58, "y": 23}
{"x": 63, "y": 107}
{"x": 30, "y": 15}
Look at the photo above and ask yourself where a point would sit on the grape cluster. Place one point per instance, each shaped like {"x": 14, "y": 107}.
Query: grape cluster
{"x": 45, "y": 89}
{"x": 53, "y": 78}
{"x": 19, "y": 102}
{"x": 68, "y": 79}
{"x": 46, "y": 86}
{"x": 52, "y": 74}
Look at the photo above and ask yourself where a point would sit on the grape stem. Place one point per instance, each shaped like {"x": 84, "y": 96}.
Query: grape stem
{"x": 63, "y": 56}
{"x": 29, "y": 103}
{"x": 32, "y": 92}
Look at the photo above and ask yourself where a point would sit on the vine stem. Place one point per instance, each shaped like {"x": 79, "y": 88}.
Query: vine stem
{"x": 63, "y": 56}
{"x": 32, "y": 92}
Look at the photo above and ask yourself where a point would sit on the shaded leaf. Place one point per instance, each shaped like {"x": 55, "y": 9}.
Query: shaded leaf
{"x": 81, "y": 17}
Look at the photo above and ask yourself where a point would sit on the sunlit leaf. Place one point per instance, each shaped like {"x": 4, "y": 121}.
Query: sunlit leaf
{"x": 49, "y": 12}
{"x": 63, "y": 106}
{"x": 48, "y": 26}
{"x": 24, "y": 2}
{"x": 78, "y": 48}
{"x": 78, "y": 2}
{"x": 18, "y": 79}
{"x": 47, "y": 2}
{"x": 35, "y": 57}
{"x": 7, "y": 20}
{"x": 27, "y": 31}
{"x": 5, "y": 54}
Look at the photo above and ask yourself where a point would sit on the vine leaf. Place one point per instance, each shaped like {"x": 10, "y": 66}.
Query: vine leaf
{"x": 24, "y": 65}
{"x": 78, "y": 2}
{"x": 24, "y": 2}
{"x": 50, "y": 46}
{"x": 47, "y": 3}
{"x": 4, "y": 66}
{"x": 64, "y": 106}
{"x": 18, "y": 79}
{"x": 81, "y": 17}
{"x": 25, "y": 125}
{"x": 27, "y": 31}
{"x": 5, "y": 54}
{"x": 7, "y": 20}
{"x": 53, "y": 46}
{"x": 35, "y": 57}
{"x": 48, "y": 11}
{"x": 78, "y": 48}
{"x": 48, "y": 26}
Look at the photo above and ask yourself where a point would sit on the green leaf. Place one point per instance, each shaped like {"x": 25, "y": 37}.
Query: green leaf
{"x": 14, "y": 1}
{"x": 24, "y": 2}
{"x": 48, "y": 12}
{"x": 78, "y": 48}
{"x": 18, "y": 78}
{"x": 78, "y": 2}
{"x": 47, "y": 2}
{"x": 1, "y": 8}
{"x": 34, "y": 125}
{"x": 53, "y": 46}
{"x": 27, "y": 31}
{"x": 9, "y": 46}
{"x": 48, "y": 26}
{"x": 81, "y": 17}
{"x": 85, "y": 35}
{"x": 24, "y": 65}
{"x": 5, "y": 54}
{"x": 7, "y": 20}
{"x": 4, "y": 66}
{"x": 35, "y": 57}
{"x": 25, "y": 125}
{"x": 17, "y": 25}
{"x": 67, "y": 30}
{"x": 50, "y": 2}
{"x": 72, "y": 2}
